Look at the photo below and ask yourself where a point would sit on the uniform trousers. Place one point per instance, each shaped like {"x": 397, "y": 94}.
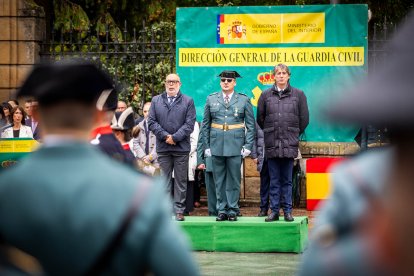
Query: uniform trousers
{"x": 178, "y": 162}
{"x": 211, "y": 193}
{"x": 227, "y": 176}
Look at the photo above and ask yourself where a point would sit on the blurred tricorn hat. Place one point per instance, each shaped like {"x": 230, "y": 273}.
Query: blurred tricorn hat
{"x": 123, "y": 120}
{"x": 229, "y": 74}
{"x": 52, "y": 83}
{"x": 387, "y": 97}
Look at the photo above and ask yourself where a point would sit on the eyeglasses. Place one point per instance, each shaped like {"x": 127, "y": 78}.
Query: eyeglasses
{"x": 226, "y": 80}
{"x": 172, "y": 82}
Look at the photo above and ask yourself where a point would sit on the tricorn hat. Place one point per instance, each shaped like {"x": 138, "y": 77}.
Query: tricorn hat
{"x": 229, "y": 74}
{"x": 57, "y": 82}
{"x": 387, "y": 97}
{"x": 123, "y": 120}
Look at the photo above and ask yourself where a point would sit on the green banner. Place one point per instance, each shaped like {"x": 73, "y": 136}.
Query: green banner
{"x": 13, "y": 149}
{"x": 325, "y": 47}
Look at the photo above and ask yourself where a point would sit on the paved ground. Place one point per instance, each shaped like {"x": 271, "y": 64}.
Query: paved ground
{"x": 227, "y": 263}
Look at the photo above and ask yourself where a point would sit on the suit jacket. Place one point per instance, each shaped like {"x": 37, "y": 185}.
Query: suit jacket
{"x": 25, "y": 132}
{"x": 229, "y": 142}
{"x": 176, "y": 119}
{"x": 258, "y": 148}
{"x": 62, "y": 204}
{"x": 36, "y": 131}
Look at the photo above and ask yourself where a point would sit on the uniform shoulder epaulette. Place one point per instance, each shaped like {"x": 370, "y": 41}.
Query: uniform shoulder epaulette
{"x": 242, "y": 94}
{"x": 212, "y": 94}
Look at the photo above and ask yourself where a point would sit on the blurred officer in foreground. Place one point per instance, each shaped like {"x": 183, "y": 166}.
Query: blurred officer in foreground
{"x": 228, "y": 132}
{"x": 72, "y": 207}
{"x": 366, "y": 226}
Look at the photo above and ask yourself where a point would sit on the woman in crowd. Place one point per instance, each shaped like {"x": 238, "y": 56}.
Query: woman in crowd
{"x": 7, "y": 108}
{"x": 19, "y": 129}
{"x": 3, "y": 120}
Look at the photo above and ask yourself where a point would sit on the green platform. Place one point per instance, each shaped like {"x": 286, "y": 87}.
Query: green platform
{"x": 248, "y": 234}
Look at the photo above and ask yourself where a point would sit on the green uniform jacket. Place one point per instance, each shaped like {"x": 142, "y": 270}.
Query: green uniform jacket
{"x": 229, "y": 142}
{"x": 62, "y": 204}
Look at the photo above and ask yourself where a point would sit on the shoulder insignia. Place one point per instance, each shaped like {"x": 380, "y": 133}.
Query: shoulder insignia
{"x": 242, "y": 94}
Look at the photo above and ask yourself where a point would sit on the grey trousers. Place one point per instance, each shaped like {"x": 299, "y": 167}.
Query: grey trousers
{"x": 179, "y": 163}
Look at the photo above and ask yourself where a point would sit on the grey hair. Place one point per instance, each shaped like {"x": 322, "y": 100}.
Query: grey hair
{"x": 281, "y": 66}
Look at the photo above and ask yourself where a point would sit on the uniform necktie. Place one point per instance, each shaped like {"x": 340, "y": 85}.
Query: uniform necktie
{"x": 226, "y": 100}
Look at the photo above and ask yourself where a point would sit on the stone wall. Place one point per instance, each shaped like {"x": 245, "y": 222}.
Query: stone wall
{"x": 22, "y": 27}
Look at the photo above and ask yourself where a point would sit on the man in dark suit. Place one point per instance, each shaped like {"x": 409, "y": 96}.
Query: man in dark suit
{"x": 72, "y": 207}
{"x": 172, "y": 118}
{"x": 31, "y": 122}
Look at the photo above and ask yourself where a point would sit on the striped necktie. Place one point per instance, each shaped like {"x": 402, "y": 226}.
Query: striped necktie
{"x": 226, "y": 100}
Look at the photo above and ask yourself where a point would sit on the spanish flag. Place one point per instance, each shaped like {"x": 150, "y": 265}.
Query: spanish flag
{"x": 318, "y": 180}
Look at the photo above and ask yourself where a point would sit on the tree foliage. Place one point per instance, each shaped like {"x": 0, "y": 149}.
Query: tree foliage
{"x": 92, "y": 22}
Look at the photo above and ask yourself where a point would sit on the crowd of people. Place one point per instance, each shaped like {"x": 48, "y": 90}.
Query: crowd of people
{"x": 168, "y": 140}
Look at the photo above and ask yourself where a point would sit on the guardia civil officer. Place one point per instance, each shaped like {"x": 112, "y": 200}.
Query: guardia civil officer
{"x": 77, "y": 211}
{"x": 228, "y": 132}
{"x": 204, "y": 163}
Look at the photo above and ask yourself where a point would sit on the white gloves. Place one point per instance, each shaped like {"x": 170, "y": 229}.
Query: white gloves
{"x": 245, "y": 152}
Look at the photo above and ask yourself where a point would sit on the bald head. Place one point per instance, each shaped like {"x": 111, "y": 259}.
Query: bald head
{"x": 172, "y": 84}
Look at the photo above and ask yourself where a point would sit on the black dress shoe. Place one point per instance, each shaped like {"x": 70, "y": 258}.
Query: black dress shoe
{"x": 272, "y": 217}
{"x": 221, "y": 217}
{"x": 179, "y": 217}
{"x": 232, "y": 217}
{"x": 288, "y": 217}
{"x": 262, "y": 213}
{"x": 239, "y": 214}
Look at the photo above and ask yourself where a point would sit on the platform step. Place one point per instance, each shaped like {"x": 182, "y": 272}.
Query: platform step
{"x": 248, "y": 234}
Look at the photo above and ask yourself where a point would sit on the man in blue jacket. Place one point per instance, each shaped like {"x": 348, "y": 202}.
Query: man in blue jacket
{"x": 171, "y": 119}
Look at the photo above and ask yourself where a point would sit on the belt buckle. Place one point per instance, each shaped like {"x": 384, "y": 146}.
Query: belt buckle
{"x": 225, "y": 127}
